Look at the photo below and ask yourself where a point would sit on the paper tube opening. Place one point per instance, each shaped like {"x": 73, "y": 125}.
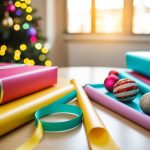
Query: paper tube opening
{"x": 98, "y": 136}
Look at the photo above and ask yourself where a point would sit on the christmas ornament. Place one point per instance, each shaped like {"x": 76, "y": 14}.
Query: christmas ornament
{"x": 110, "y": 81}
{"x": 125, "y": 90}
{"x": 31, "y": 31}
{"x": 7, "y": 21}
{"x": 145, "y": 103}
{"x": 113, "y": 72}
{"x": 10, "y": 8}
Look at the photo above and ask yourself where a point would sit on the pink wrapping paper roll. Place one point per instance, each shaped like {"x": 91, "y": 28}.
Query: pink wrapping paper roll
{"x": 18, "y": 80}
{"x": 118, "y": 107}
{"x": 140, "y": 77}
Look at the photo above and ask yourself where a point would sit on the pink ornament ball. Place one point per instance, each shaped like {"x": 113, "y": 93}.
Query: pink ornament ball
{"x": 110, "y": 81}
{"x": 113, "y": 72}
{"x": 125, "y": 90}
{"x": 11, "y": 8}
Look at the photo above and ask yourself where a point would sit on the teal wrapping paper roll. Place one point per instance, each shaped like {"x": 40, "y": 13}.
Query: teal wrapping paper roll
{"x": 139, "y": 62}
{"x": 144, "y": 88}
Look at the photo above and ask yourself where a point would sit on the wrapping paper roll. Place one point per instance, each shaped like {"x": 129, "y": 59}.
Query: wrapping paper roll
{"x": 140, "y": 77}
{"x": 22, "y": 110}
{"x": 97, "y": 134}
{"x": 139, "y": 61}
{"x": 27, "y": 80}
{"x": 144, "y": 88}
{"x": 120, "y": 108}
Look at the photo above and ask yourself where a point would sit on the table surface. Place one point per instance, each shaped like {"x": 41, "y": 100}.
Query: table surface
{"x": 126, "y": 134}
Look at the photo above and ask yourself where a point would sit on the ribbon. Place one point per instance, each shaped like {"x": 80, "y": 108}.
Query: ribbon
{"x": 22, "y": 110}
{"x": 56, "y": 107}
{"x": 97, "y": 134}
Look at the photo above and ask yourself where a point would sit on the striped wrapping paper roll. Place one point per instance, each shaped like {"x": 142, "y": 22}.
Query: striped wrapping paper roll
{"x": 125, "y": 90}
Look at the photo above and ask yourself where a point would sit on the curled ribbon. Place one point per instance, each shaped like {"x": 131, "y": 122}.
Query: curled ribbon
{"x": 56, "y": 107}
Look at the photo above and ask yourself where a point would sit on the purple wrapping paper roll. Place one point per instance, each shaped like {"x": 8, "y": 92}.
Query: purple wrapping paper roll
{"x": 118, "y": 107}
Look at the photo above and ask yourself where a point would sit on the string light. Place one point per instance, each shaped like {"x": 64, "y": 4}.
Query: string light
{"x": 25, "y": 26}
{"x": 44, "y": 50}
{"x": 28, "y": 17}
{"x": 17, "y": 27}
{"x": 48, "y": 63}
{"x": 42, "y": 57}
{"x": 23, "y": 5}
{"x": 17, "y": 4}
{"x": 29, "y": 9}
{"x": 23, "y": 47}
{"x": 38, "y": 46}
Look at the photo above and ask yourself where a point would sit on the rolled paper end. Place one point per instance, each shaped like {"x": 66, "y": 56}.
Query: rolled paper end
{"x": 97, "y": 134}
{"x": 1, "y": 92}
{"x": 100, "y": 139}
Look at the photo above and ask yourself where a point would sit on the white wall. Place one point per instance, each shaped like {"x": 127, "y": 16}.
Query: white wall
{"x": 87, "y": 51}
{"x": 102, "y": 53}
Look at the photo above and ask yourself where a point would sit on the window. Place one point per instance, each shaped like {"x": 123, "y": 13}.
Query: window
{"x": 108, "y": 16}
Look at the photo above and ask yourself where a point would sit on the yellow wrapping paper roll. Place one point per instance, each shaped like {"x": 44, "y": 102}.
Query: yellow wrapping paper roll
{"x": 97, "y": 134}
{"x": 22, "y": 110}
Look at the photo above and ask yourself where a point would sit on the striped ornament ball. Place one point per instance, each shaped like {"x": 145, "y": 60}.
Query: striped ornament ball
{"x": 125, "y": 90}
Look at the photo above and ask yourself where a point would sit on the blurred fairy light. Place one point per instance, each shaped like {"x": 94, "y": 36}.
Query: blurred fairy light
{"x": 17, "y": 55}
{"x": 29, "y": 9}
{"x": 3, "y": 48}
{"x": 25, "y": 26}
{"x": 38, "y": 46}
{"x": 16, "y": 27}
{"x": 17, "y": 4}
{"x": 28, "y": 61}
{"x": 23, "y": 47}
{"x": 17, "y": 52}
{"x": 28, "y": 17}
{"x": 28, "y": 2}
{"x": 23, "y": 5}
{"x": 42, "y": 57}
{"x": 48, "y": 63}
{"x": 44, "y": 50}
{"x": 2, "y": 53}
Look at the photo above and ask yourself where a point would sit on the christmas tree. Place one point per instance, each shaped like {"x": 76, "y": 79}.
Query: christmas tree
{"x": 21, "y": 40}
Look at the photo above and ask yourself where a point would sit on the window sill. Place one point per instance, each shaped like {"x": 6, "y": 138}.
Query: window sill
{"x": 106, "y": 38}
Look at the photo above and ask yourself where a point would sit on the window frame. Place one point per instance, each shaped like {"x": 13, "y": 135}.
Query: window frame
{"x": 127, "y": 24}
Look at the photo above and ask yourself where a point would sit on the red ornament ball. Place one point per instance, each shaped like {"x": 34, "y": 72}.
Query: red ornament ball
{"x": 110, "y": 81}
{"x": 113, "y": 72}
{"x": 125, "y": 90}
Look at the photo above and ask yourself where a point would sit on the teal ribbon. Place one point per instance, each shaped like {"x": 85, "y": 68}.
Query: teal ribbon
{"x": 60, "y": 107}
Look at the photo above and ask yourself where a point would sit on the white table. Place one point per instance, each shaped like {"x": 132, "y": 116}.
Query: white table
{"x": 126, "y": 134}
